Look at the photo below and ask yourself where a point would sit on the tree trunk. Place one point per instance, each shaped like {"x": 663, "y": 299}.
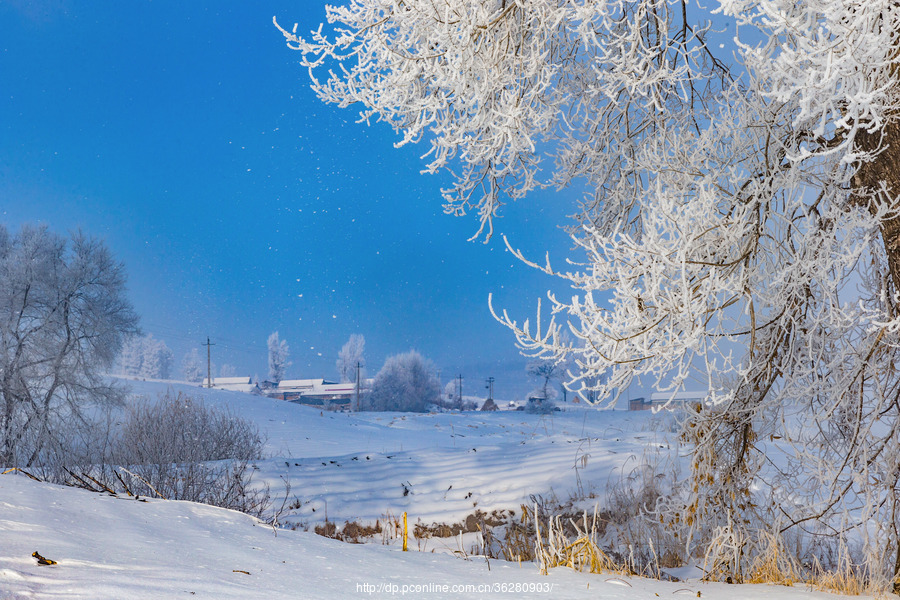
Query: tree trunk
{"x": 883, "y": 168}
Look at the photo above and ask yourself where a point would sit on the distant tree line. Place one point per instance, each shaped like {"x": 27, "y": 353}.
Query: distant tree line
{"x": 145, "y": 357}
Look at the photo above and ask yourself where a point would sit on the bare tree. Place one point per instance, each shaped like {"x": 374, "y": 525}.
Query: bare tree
{"x": 545, "y": 371}
{"x": 63, "y": 315}
{"x": 278, "y": 357}
{"x": 407, "y": 382}
{"x": 350, "y": 356}
{"x": 541, "y": 399}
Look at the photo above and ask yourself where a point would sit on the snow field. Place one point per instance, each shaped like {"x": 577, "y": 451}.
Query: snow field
{"x": 120, "y": 548}
{"x": 354, "y": 467}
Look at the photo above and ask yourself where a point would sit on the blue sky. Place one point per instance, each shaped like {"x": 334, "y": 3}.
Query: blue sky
{"x": 185, "y": 135}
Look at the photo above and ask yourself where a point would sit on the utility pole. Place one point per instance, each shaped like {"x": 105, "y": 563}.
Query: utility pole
{"x": 490, "y": 387}
{"x": 208, "y": 363}
{"x": 357, "y": 385}
{"x": 459, "y": 398}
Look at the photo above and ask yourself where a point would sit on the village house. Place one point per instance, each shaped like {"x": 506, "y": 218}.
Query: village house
{"x": 318, "y": 392}
{"x": 234, "y": 384}
{"x": 660, "y": 399}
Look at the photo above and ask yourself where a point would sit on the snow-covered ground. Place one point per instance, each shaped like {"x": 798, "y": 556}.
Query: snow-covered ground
{"x": 354, "y": 467}
{"x": 436, "y": 467}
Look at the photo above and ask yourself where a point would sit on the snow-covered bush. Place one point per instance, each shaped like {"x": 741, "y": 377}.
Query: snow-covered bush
{"x": 451, "y": 393}
{"x": 407, "y": 382}
{"x": 181, "y": 449}
{"x": 537, "y": 404}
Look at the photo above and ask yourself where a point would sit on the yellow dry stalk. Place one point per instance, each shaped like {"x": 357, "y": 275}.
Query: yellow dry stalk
{"x": 598, "y": 560}
{"x": 774, "y": 564}
{"x": 539, "y": 542}
{"x": 517, "y": 546}
{"x": 839, "y": 582}
{"x": 581, "y": 555}
{"x": 843, "y": 580}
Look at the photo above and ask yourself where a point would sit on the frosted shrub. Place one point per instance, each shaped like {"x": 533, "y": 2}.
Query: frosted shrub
{"x": 180, "y": 449}
{"x": 539, "y": 406}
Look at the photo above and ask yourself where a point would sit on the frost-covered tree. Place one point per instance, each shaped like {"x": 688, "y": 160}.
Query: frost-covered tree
{"x": 131, "y": 357}
{"x": 541, "y": 399}
{"x": 157, "y": 359}
{"x": 739, "y": 226}
{"x": 192, "y": 369}
{"x": 145, "y": 357}
{"x": 63, "y": 316}
{"x": 278, "y": 357}
{"x": 545, "y": 371}
{"x": 227, "y": 370}
{"x": 407, "y": 382}
{"x": 350, "y": 355}
{"x": 451, "y": 393}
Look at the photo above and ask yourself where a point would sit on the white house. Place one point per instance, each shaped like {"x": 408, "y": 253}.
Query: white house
{"x": 318, "y": 392}
{"x": 659, "y": 399}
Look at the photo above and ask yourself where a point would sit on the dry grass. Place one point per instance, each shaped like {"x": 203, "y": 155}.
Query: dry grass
{"x": 553, "y": 547}
{"x": 576, "y": 542}
{"x": 352, "y": 532}
{"x": 844, "y": 578}
{"x": 392, "y": 530}
{"x": 729, "y": 557}
{"x": 518, "y": 543}
{"x": 478, "y": 521}
{"x": 774, "y": 564}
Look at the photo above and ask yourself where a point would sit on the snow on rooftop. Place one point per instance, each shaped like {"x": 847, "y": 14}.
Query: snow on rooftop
{"x": 300, "y": 383}
{"x": 228, "y": 381}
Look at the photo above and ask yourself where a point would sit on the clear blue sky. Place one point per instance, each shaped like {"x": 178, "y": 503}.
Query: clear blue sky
{"x": 185, "y": 135}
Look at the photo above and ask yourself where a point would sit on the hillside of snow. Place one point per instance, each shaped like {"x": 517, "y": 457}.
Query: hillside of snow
{"x": 436, "y": 467}
{"x": 439, "y": 468}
